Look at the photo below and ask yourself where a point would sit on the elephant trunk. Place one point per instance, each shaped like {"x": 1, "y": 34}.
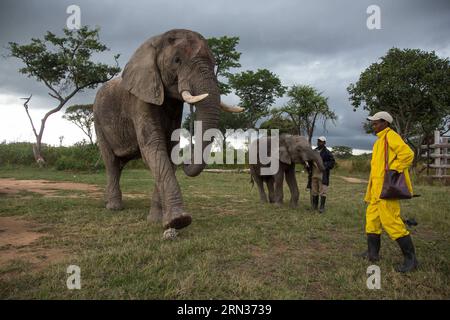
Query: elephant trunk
{"x": 207, "y": 111}
{"x": 318, "y": 160}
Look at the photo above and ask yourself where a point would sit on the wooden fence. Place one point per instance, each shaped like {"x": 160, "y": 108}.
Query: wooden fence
{"x": 438, "y": 157}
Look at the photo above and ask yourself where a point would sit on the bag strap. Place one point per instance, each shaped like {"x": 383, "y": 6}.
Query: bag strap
{"x": 386, "y": 151}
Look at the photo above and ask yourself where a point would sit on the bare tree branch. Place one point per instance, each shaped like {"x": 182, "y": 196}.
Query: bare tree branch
{"x": 25, "y": 105}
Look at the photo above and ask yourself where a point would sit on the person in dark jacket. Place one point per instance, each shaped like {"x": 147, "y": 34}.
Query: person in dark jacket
{"x": 318, "y": 183}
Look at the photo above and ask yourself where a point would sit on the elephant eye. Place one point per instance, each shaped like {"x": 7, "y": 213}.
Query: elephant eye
{"x": 177, "y": 60}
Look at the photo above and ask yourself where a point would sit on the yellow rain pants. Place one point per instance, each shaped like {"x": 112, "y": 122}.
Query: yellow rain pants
{"x": 380, "y": 212}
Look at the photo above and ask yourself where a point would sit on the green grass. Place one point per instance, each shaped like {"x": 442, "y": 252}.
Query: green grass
{"x": 236, "y": 248}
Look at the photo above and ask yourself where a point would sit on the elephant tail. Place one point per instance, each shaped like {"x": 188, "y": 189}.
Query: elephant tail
{"x": 252, "y": 182}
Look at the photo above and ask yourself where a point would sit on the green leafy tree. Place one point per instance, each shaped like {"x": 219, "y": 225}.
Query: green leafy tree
{"x": 305, "y": 107}
{"x": 280, "y": 122}
{"x": 227, "y": 57}
{"x": 82, "y": 115}
{"x": 65, "y": 66}
{"x": 343, "y": 152}
{"x": 257, "y": 91}
{"x": 413, "y": 86}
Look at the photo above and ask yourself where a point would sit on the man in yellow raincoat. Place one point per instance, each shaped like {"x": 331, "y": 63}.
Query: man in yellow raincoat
{"x": 381, "y": 212}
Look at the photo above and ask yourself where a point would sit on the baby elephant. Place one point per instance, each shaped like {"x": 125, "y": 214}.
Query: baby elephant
{"x": 292, "y": 149}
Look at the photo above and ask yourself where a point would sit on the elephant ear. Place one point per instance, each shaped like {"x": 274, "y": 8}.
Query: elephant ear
{"x": 284, "y": 155}
{"x": 141, "y": 75}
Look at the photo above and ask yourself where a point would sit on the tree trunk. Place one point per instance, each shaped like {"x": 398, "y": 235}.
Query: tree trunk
{"x": 37, "y": 151}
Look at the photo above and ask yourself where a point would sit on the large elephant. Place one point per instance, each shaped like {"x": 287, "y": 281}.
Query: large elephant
{"x": 292, "y": 149}
{"x": 136, "y": 114}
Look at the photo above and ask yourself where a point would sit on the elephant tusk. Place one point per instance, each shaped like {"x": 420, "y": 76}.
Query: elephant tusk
{"x": 187, "y": 97}
{"x": 228, "y": 108}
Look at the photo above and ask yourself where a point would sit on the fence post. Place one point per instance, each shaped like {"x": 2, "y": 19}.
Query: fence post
{"x": 437, "y": 152}
{"x": 444, "y": 159}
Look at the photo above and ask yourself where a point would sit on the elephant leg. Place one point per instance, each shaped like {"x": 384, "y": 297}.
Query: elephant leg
{"x": 292, "y": 184}
{"x": 279, "y": 178}
{"x": 154, "y": 153}
{"x": 259, "y": 182}
{"x": 113, "y": 166}
{"x": 270, "y": 186}
{"x": 156, "y": 211}
{"x": 262, "y": 192}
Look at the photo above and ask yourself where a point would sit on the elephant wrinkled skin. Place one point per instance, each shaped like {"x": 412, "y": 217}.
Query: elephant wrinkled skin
{"x": 136, "y": 114}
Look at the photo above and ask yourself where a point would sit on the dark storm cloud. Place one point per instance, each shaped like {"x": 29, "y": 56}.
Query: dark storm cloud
{"x": 322, "y": 43}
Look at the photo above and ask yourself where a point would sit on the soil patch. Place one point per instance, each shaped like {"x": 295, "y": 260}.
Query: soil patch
{"x": 17, "y": 242}
{"x": 46, "y": 188}
{"x": 353, "y": 180}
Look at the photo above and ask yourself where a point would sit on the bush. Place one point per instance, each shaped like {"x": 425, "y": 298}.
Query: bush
{"x": 16, "y": 153}
{"x": 83, "y": 156}
{"x": 80, "y": 156}
{"x": 360, "y": 165}
{"x": 356, "y": 164}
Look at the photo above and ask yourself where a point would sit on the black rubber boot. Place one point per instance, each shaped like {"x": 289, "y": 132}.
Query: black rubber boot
{"x": 373, "y": 247}
{"x": 322, "y": 204}
{"x": 315, "y": 202}
{"x": 409, "y": 254}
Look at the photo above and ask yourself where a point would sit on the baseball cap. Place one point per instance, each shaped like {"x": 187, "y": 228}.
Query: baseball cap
{"x": 322, "y": 138}
{"x": 382, "y": 115}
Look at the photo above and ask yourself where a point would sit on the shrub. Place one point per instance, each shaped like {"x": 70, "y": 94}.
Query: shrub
{"x": 16, "y": 153}
{"x": 81, "y": 156}
{"x": 360, "y": 165}
{"x": 356, "y": 164}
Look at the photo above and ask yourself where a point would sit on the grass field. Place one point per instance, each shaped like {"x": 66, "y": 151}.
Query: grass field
{"x": 236, "y": 248}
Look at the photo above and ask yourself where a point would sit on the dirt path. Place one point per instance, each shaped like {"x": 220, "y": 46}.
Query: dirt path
{"x": 45, "y": 187}
{"x": 17, "y": 242}
{"x": 18, "y": 237}
{"x": 353, "y": 180}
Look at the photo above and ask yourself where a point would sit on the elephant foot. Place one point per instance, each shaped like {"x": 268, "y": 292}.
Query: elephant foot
{"x": 155, "y": 214}
{"x": 177, "y": 219}
{"x": 114, "y": 205}
{"x": 293, "y": 205}
{"x": 113, "y": 200}
{"x": 278, "y": 204}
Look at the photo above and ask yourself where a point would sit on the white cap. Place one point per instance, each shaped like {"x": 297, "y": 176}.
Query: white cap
{"x": 382, "y": 115}
{"x": 322, "y": 138}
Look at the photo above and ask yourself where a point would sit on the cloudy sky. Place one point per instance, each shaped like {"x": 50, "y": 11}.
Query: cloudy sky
{"x": 325, "y": 44}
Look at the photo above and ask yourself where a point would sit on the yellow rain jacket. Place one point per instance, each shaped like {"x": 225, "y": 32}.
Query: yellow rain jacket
{"x": 400, "y": 159}
{"x": 383, "y": 212}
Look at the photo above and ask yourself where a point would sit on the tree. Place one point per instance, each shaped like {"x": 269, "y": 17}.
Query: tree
{"x": 226, "y": 56}
{"x": 343, "y": 152}
{"x": 82, "y": 116}
{"x": 280, "y": 122}
{"x": 305, "y": 107}
{"x": 257, "y": 91}
{"x": 413, "y": 86}
{"x": 65, "y": 67}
